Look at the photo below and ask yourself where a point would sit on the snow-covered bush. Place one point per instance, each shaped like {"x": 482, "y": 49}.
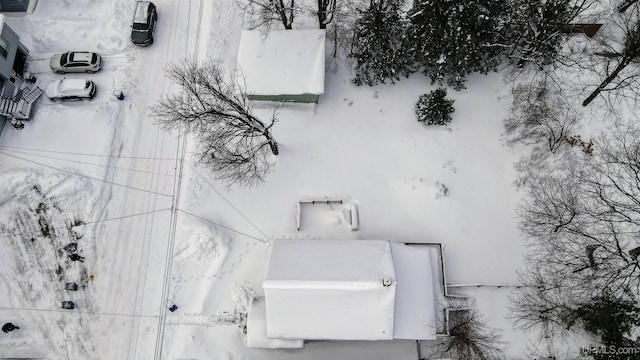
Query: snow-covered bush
{"x": 434, "y": 108}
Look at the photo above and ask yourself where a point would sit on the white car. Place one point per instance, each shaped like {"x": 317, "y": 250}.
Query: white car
{"x": 71, "y": 89}
{"x": 76, "y": 61}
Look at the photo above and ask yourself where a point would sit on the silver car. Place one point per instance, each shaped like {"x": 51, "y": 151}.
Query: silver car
{"x": 76, "y": 61}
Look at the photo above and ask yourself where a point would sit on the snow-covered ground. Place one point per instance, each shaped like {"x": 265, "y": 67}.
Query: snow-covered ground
{"x": 103, "y": 176}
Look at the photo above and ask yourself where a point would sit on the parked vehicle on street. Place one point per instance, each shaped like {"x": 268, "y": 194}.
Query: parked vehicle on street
{"x": 71, "y": 286}
{"x": 76, "y": 61}
{"x": 69, "y": 305}
{"x": 71, "y": 89}
{"x": 144, "y": 23}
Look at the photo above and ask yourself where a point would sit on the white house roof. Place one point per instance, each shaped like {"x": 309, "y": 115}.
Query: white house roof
{"x": 333, "y": 290}
{"x": 330, "y": 289}
{"x": 336, "y": 261}
{"x": 286, "y": 62}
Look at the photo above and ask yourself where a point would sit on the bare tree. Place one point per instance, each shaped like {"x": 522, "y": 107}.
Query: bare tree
{"x": 554, "y": 304}
{"x": 615, "y": 78}
{"x": 540, "y": 114}
{"x": 264, "y": 12}
{"x": 340, "y": 30}
{"x": 469, "y": 338}
{"x": 583, "y": 228}
{"x": 625, "y": 5}
{"x": 551, "y": 348}
{"x": 232, "y": 141}
{"x": 336, "y": 16}
{"x": 541, "y": 302}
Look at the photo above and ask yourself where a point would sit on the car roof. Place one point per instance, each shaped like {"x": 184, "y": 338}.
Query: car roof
{"x": 81, "y": 56}
{"x": 72, "y": 84}
{"x": 142, "y": 10}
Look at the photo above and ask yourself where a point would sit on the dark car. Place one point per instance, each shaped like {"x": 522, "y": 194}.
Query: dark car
{"x": 144, "y": 23}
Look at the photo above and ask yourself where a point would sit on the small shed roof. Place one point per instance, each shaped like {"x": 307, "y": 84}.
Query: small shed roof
{"x": 286, "y": 62}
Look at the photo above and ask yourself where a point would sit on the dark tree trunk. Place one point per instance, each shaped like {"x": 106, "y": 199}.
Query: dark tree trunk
{"x": 630, "y": 53}
{"x": 625, "y": 61}
{"x": 625, "y": 5}
{"x": 322, "y": 15}
{"x": 273, "y": 144}
{"x": 325, "y": 12}
{"x": 287, "y": 19}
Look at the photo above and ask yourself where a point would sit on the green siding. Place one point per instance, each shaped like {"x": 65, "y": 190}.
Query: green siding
{"x": 299, "y": 98}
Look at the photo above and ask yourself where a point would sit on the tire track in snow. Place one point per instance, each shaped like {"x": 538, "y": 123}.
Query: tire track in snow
{"x": 113, "y": 62}
{"x": 181, "y": 150}
{"x": 170, "y": 55}
{"x": 71, "y": 335}
{"x": 202, "y": 320}
{"x": 105, "y": 15}
{"x": 39, "y": 259}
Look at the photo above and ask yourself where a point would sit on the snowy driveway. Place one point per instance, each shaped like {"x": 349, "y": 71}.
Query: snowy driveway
{"x": 107, "y": 179}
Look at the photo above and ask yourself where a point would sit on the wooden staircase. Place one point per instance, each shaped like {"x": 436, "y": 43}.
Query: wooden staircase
{"x": 18, "y": 108}
{"x": 8, "y": 107}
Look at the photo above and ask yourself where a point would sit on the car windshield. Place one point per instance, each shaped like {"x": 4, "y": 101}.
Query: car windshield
{"x": 94, "y": 58}
{"x": 140, "y": 27}
{"x": 63, "y": 59}
{"x": 87, "y": 84}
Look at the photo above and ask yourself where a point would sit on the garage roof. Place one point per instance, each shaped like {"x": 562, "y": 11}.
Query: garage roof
{"x": 284, "y": 62}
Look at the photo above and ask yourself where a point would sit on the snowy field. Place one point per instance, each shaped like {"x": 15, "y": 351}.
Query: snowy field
{"x": 103, "y": 176}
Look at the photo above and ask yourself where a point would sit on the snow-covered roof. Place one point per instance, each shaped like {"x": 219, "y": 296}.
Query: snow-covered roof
{"x": 415, "y": 317}
{"x": 80, "y": 56}
{"x": 141, "y": 12}
{"x": 67, "y": 87}
{"x": 330, "y": 289}
{"x": 334, "y": 290}
{"x": 286, "y": 62}
{"x": 72, "y": 84}
{"x": 257, "y": 336}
